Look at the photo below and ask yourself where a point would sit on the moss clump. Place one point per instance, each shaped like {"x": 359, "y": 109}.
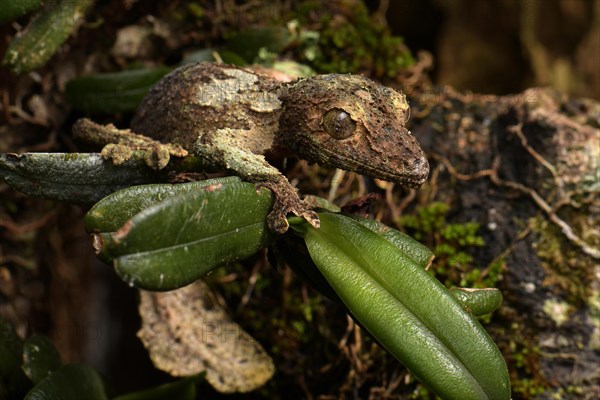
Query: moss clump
{"x": 523, "y": 356}
{"x": 351, "y": 41}
{"x": 451, "y": 244}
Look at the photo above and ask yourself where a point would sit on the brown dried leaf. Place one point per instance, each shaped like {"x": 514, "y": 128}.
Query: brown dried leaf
{"x": 186, "y": 332}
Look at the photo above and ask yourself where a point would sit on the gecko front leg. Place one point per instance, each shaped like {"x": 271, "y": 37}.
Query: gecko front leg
{"x": 120, "y": 143}
{"x": 221, "y": 148}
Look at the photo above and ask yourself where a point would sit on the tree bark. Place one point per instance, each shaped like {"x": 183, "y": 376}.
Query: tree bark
{"x": 526, "y": 168}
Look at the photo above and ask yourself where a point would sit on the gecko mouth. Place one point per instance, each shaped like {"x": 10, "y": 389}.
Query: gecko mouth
{"x": 409, "y": 179}
{"x": 417, "y": 172}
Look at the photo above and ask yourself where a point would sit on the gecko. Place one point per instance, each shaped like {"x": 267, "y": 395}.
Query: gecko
{"x": 236, "y": 119}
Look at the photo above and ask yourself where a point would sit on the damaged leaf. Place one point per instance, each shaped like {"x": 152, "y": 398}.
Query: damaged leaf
{"x": 44, "y": 35}
{"x": 186, "y": 332}
{"x": 176, "y": 241}
{"x": 110, "y": 213}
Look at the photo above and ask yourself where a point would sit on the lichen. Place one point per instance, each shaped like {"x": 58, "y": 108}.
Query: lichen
{"x": 557, "y": 310}
{"x": 564, "y": 265}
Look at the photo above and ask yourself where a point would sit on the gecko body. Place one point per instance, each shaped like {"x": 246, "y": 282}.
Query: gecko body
{"x": 236, "y": 119}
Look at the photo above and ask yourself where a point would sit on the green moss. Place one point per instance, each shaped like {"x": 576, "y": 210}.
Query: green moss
{"x": 523, "y": 357}
{"x": 529, "y": 388}
{"x": 452, "y": 244}
{"x": 428, "y": 220}
{"x": 352, "y": 42}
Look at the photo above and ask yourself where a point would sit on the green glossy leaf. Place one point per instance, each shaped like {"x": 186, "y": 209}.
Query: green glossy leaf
{"x": 110, "y": 213}
{"x": 295, "y": 254}
{"x": 176, "y": 241}
{"x": 13, "y": 9}
{"x": 40, "y": 358}
{"x": 291, "y": 250}
{"x": 71, "y": 177}
{"x": 184, "y": 389}
{"x": 44, "y": 35}
{"x": 475, "y": 301}
{"x": 407, "y": 310}
{"x": 72, "y": 381}
{"x": 418, "y": 252}
{"x": 478, "y": 301}
{"x": 112, "y": 92}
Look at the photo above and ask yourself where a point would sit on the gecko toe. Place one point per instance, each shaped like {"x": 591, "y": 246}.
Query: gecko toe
{"x": 278, "y": 222}
{"x": 312, "y": 218}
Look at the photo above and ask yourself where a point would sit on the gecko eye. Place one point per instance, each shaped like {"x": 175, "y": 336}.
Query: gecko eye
{"x": 338, "y": 124}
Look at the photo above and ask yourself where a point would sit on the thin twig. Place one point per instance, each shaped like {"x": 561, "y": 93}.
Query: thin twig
{"x": 541, "y": 203}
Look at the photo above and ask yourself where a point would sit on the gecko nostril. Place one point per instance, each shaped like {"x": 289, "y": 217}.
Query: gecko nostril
{"x": 421, "y": 164}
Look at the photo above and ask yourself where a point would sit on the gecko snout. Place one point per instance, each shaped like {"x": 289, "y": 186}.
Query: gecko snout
{"x": 419, "y": 170}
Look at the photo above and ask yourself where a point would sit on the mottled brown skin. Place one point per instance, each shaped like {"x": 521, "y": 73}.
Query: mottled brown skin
{"x": 380, "y": 147}
{"x": 233, "y": 118}
{"x": 196, "y": 100}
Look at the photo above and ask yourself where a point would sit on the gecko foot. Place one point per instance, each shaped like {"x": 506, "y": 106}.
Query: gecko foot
{"x": 120, "y": 143}
{"x": 278, "y": 222}
{"x": 287, "y": 202}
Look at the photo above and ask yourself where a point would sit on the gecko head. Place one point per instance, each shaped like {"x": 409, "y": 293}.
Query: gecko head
{"x": 353, "y": 123}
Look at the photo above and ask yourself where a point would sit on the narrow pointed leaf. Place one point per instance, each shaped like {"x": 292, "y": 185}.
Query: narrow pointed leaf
{"x": 407, "y": 310}
{"x": 478, "y": 301}
{"x": 418, "y": 252}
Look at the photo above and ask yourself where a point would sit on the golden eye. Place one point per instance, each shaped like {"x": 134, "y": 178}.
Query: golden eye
{"x": 338, "y": 124}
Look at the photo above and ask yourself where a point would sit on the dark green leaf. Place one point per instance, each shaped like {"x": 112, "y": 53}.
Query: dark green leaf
{"x": 44, "y": 35}
{"x": 112, "y": 92}
{"x": 70, "y": 382}
{"x": 40, "y": 358}
{"x": 11, "y": 348}
{"x": 71, "y": 177}
{"x": 176, "y": 241}
{"x": 229, "y": 57}
{"x": 247, "y": 43}
{"x": 184, "y": 389}
{"x": 13, "y": 382}
{"x": 13, "y": 9}
{"x": 110, "y": 213}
